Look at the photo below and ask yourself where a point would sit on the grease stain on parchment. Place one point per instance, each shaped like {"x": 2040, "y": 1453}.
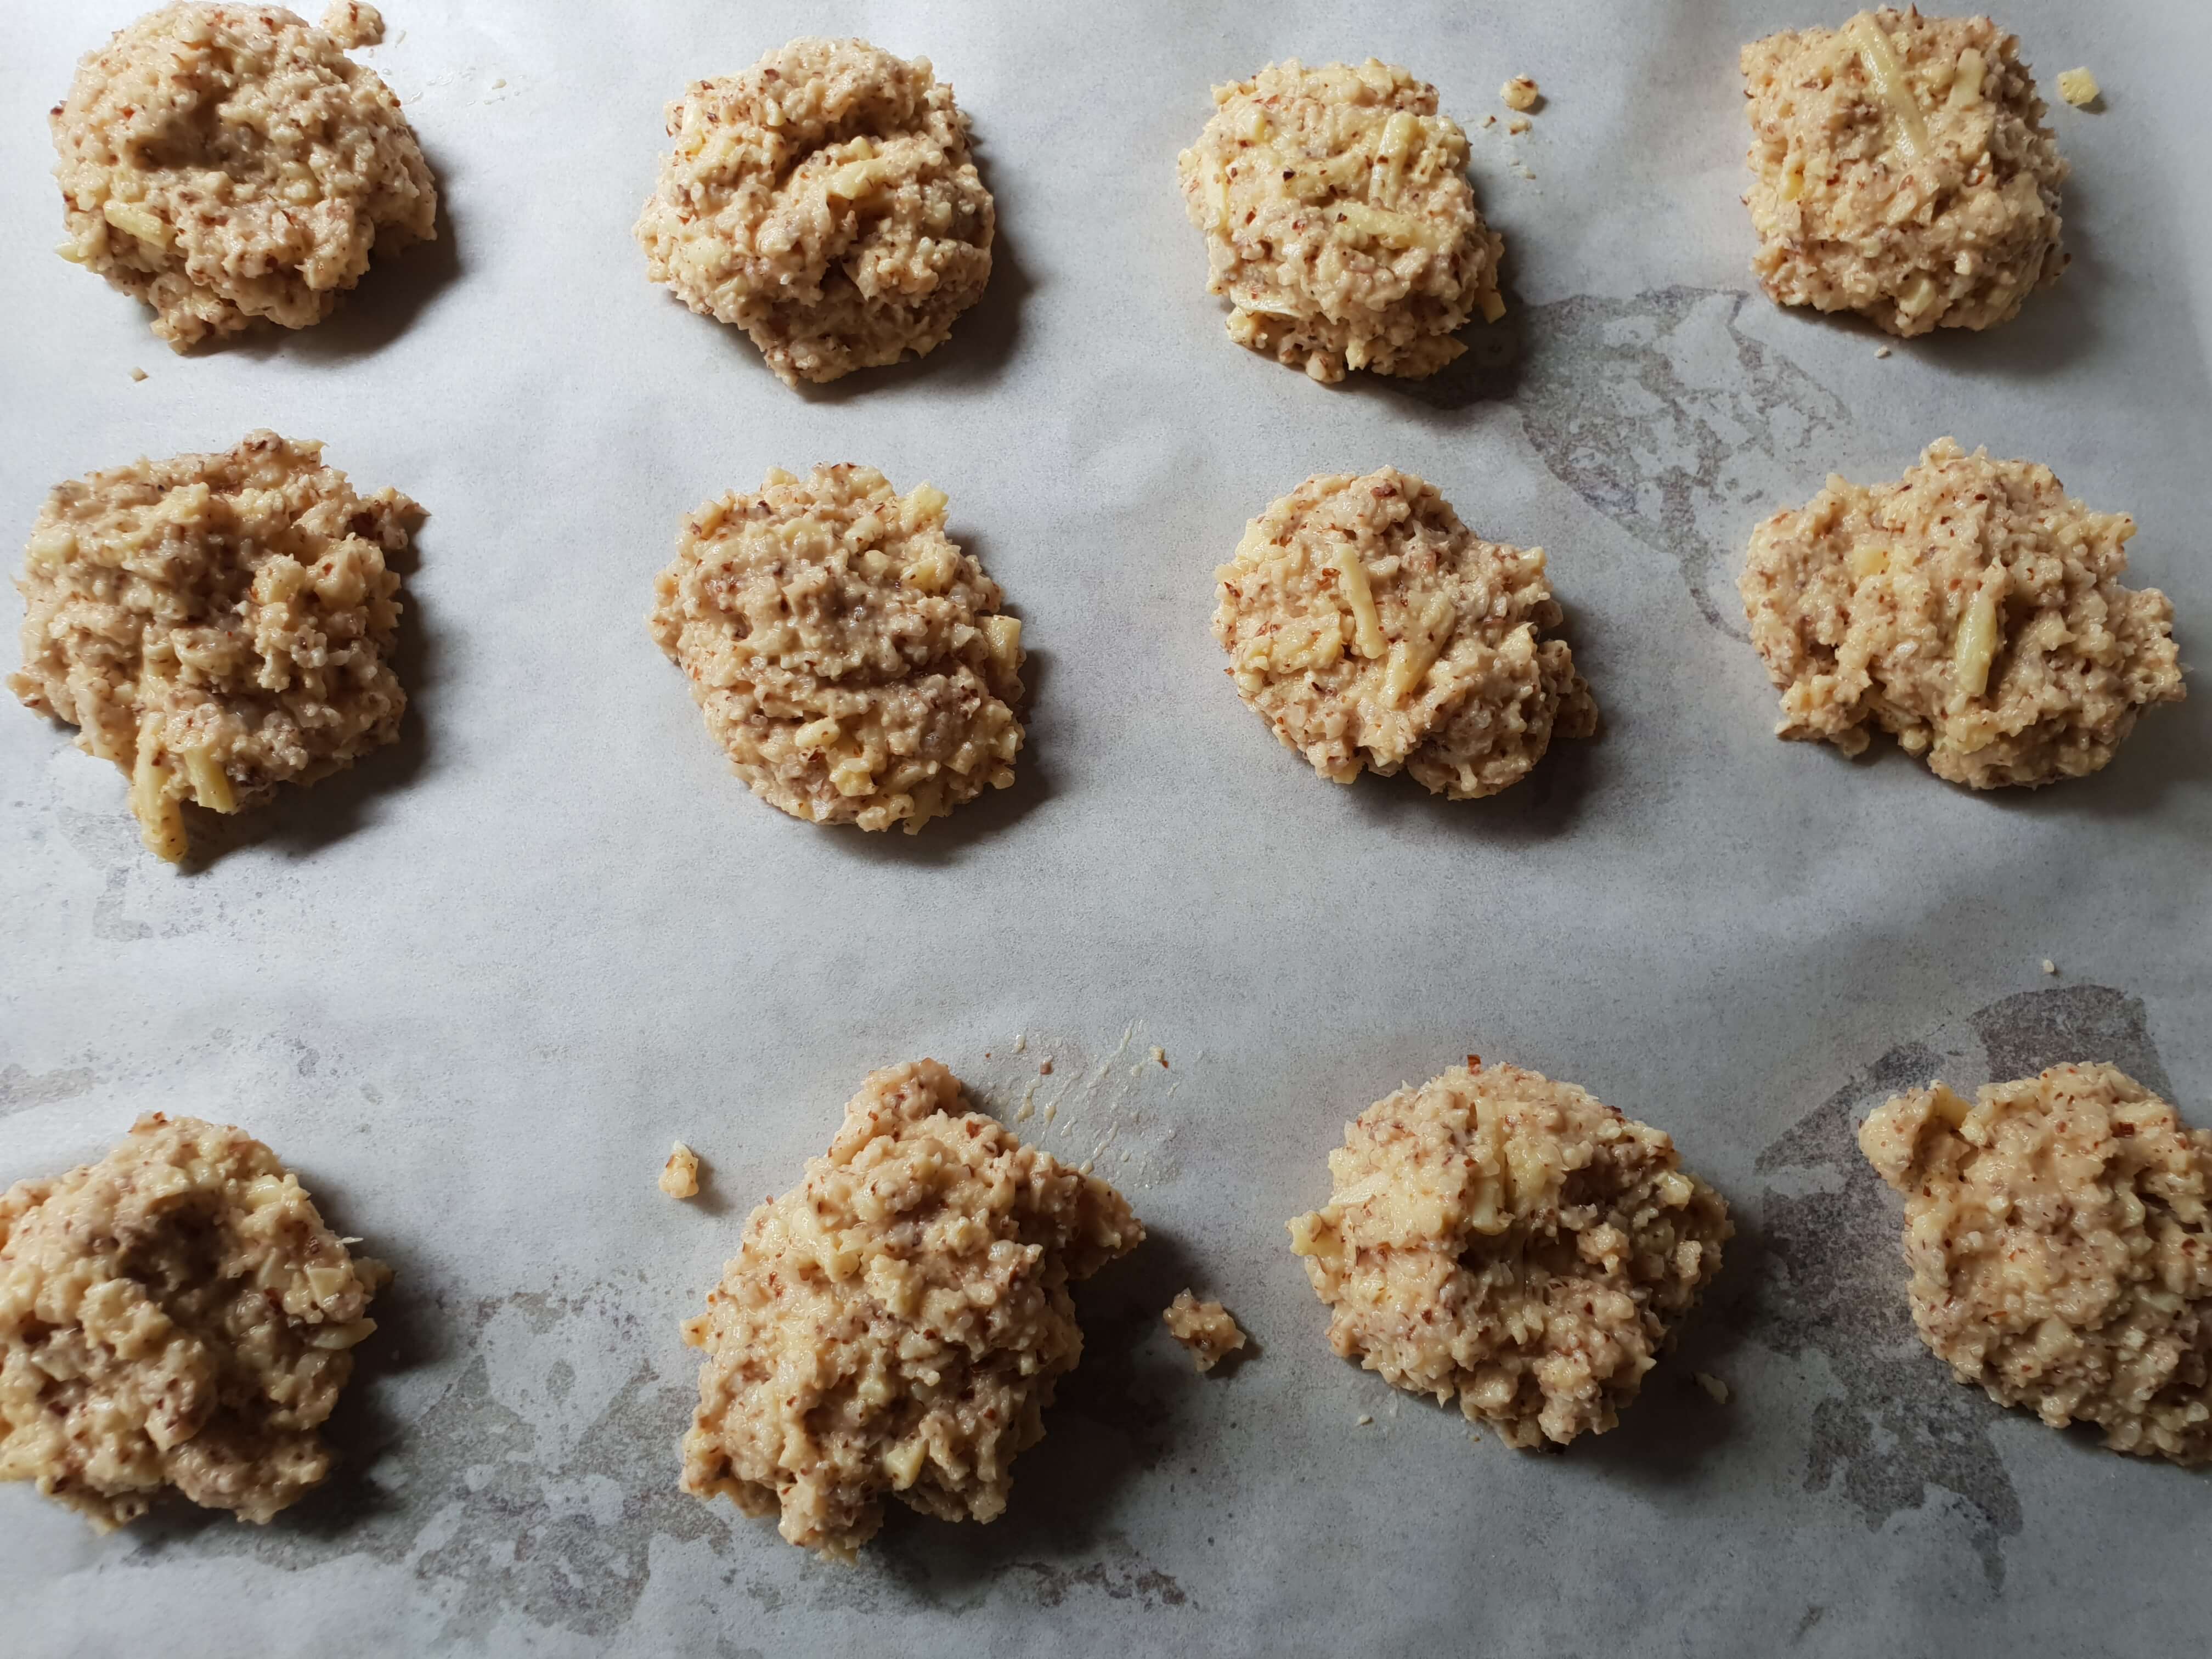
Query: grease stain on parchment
{"x": 20, "y": 1089}
{"x": 1836, "y": 1279}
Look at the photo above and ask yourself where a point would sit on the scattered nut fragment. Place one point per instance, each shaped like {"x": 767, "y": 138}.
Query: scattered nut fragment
{"x": 2049, "y": 966}
{"x": 1881, "y": 352}
{"x": 1364, "y": 1418}
{"x": 1204, "y": 1328}
{"x": 138, "y": 373}
{"x": 2079, "y": 87}
{"x": 1517, "y": 125}
{"x": 1044, "y": 1068}
{"x": 1716, "y": 1390}
{"x": 1520, "y": 93}
{"x": 354, "y": 24}
{"x": 679, "y": 1176}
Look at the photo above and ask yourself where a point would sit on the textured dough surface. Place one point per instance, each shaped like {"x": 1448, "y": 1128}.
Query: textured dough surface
{"x": 2061, "y": 1249}
{"x": 851, "y": 658}
{"x": 1372, "y": 630}
{"x": 1205, "y": 1329}
{"x": 175, "y": 1316}
{"x": 1511, "y": 1240}
{"x": 824, "y": 202}
{"x": 229, "y": 163}
{"x": 1339, "y": 220}
{"x": 896, "y": 1323}
{"x": 1971, "y": 607}
{"x": 1935, "y": 206}
{"x": 216, "y": 625}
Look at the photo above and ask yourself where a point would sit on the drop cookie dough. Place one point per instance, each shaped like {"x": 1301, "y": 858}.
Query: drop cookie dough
{"x": 176, "y": 1315}
{"x": 1339, "y": 220}
{"x": 851, "y": 658}
{"x": 1972, "y": 609}
{"x": 825, "y": 202}
{"x": 896, "y": 1323}
{"x": 1372, "y": 630}
{"x": 1508, "y": 1239}
{"x": 1205, "y": 1329}
{"x": 1901, "y": 169}
{"x": 216, "y": 625}
{"x": 2060, "y": 1241}
{"x": 228, "y": 164}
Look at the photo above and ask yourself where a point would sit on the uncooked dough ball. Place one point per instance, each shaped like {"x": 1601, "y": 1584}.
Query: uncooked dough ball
{"x": 1900, "y": 168}
{"x": 226, "y": 163}
{"x": 2060, "y": 1239}
{"x": 1339, "y": 220}
{"x": 1371, "y": 629}
{"x": 175, "y": 1316}
{"x": 824, "y": 202}
{"x": 851, "y": 658}
{"x": 1972, "y": 608}
{"x": 217, "y": 624}
{"x": 896, "y": 1324}
{"x": 1508, "y": 1239}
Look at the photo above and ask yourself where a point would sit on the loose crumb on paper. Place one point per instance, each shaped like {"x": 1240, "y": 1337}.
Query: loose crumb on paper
{"x": 679, "y": 1176}
{"x": 1881, "y": 352}
{"x": 1365, "y": 1418}
{"x": 1716, "y": 1390}
{"x": 354, "y": 24}
{"x": 2079, "y": 87}
{"x": 1517, "y": 125}
{"x": 138, "y": 373}
{"x": 1520, "y": 92}
{"x": 1044, "y": 1068}
{"x": 1490, "y": 120}
{"x": 1206, "y": 1328}
{"x": 1021, "y": 1041}
{"x": 2049, "y": 966}
{"x": 1159, "y": 1057}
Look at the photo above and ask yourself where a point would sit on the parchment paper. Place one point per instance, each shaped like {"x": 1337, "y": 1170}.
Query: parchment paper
{"x": 474, "y": 989}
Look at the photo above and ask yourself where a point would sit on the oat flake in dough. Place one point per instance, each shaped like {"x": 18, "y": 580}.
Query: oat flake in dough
{"x": 1339, "y": 220}
{"x": 1508, "y": 1239}
{"x": 824, "y": 202}
{"x": 216, "y": 625}
{"x": 1972, "y": 608}
{"x": 229, "y": 163}
{"x": 1371, "y": 629}
{"x": 896, "y": 1323}
{"x": 2061, "y": 1247}
{"x": 851, "y": 658}
{"x": 175, "y": 1316}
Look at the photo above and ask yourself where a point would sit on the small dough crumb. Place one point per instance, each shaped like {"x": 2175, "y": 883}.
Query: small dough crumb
{"x": 138, "y": 373}
{"x": 354, "y": 24}
{"x": 1204, "y": 1328}
{"x": 1716, "y": 1390}
{"x": 1159, "y": 1057}
{"x": 1520, "y": 93}
{"x": 679, "y": 1176}
{"x": 1881, "y": 352}
{"x": 1517, "y": 125}
{"x": 1044, "y": 1068}
{"x": 2078, "y": 87}
{"x": 1364, "y": 1418}
{"x": 2049, "y": 966}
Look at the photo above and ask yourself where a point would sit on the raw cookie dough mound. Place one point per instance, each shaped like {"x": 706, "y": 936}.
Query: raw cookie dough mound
{"x": 228, "y": 163}
{"x": 824, "y": 202}
{"x": 2061, "y": 1249}
{"x": 176, "y": 1315}
{"x": 1972, "y": 608}
{"x": 1207, "y": 1331}
{"x": 851, "y": 659}
{"x": 1511, "y": 1240}
{"x": 1901, "y": 169}
{"x": 1371, "y": 629}
{"x": 896, "y": 1323}
{"x": 1339, "y": 220}
{"x": 216, "y": 625}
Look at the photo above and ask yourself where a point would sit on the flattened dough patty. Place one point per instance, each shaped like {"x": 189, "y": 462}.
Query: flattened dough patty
{"x": 1339, "y": 220}
{"x": 216, "y": 625}
{"x": 1972, "y": 608}
{"x": 2061, "y": 1249}
{"x": 824, "y": 202}
{"x": 896, "y": 1323}
{"x": 1371, "y": 629}
{"x": 1508, "y": 1239}
{"x": 226, "y": 163}
{"x": 175, "y": 1316}
{"x": 1900, "y": 169}
{"x": 851, "y": 658}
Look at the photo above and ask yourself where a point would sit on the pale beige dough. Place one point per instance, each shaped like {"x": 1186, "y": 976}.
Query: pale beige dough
{"x": 1508, "y": 1239}
{"x": 851, "y": 658}
{"x": 176, "y": 1315}
{"x": 1372, "y": 630}
{"x": 1900, "y": 169}
{"x": 2061, "y": 1247}
{"x": 1339, "y": 220}
{"x": 824, "y": 202}
{"x": 896, "y": 1323}
{"x": 1972, "y": 608}
{"x": 354, "y": 24}
{"x": 216, "y": 625}
{"x": 1205, "y": 1329}
{"x": 228, "y": 163}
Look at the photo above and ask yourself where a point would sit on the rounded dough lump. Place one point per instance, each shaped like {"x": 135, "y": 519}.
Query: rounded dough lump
{"x": 824, "y": 202}
{"x": 176, "y": 1315}
{"x": 1900, "y": 169}
{"x": 1511, "y": 1240}
{"x": 2061, "y": 1247}
{"x": 1972, "y": 608}
{"x": 897, "y": 1322}
{"x": 216, "y": 625}
{"x": 850, "y": 658}
{"x": 1339, "y": 220}
{"x": 226, "y": 163}
{"x": 1371, "y": 629}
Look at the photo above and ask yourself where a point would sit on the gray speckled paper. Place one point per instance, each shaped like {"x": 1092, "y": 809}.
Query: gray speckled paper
{"x": 474, "y": 989}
